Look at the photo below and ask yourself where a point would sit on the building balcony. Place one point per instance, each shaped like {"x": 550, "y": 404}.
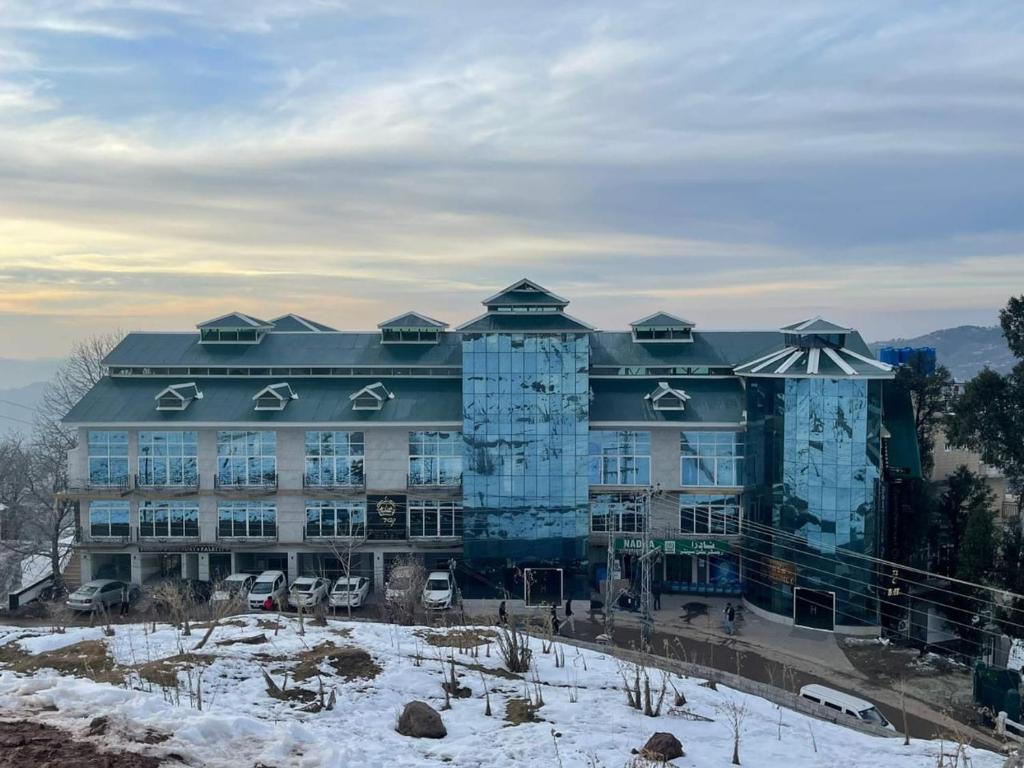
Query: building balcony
{"x": 188, "y": 488}
{"x": 107, "y": 536}
{"x": 340, "y": 542}
{"x": 120, "y": 487}
{"x": 451, "y": 486}
{"x": 228, "y": 537}
{"x": 316, "y": 487}
{"x": 261, "y": 486}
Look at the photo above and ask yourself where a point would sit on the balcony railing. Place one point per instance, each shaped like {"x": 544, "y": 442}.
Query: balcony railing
{"x": 119, "y": 487}
{"x": 415, "y": 481}
{"x": 191, "y": 485}
{"x": 98, "y": 536}
{"x": 356, "y": 537}
{"x": 248, "y": 536}
{"x": 264, "y": 484}
{"x": 315, "y": 484}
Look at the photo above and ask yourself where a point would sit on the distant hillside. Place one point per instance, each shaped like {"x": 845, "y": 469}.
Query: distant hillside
{"x": 965, "y": 350}
{"x": 16, "y": 406}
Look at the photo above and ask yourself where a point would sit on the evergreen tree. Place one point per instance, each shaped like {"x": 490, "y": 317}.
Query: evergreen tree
{"x": 966, "y": 504}
{"x": 989, "y": 415}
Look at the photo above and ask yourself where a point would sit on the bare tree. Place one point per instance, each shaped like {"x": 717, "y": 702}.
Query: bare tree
{"x": 735, "y": 712}
{"x": 45, "y": 518}
{"x": 405, "y": 582}
{"x": 344, "y": 550}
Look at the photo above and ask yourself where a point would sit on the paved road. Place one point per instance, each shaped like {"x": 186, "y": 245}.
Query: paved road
{"x": 725, "y": 656}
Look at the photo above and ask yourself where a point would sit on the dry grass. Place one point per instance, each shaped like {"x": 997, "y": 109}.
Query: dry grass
{"x": 519, "y": 711}
{"x": 458, "y": 638}
{"x": 269, "y": 624}
{"x": 247, "y": 640}
{"x": 347, "y": 662}
{"x": 85, "y": 659}
{"x": 164, "y": 672}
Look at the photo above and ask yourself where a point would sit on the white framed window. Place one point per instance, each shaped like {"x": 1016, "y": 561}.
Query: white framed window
{"x": 168, "y": 459}
{"x": 108, "y": 458}
{"x": 430, "y": 518}
{"x": 617, "y": 513}
{"x": 620, "y": 457}
{"x": 247, "y": 519}
{"x": 169, "y": 519}
{"x": 711, "y": 458}
{"x": 334, "y": 459}
{"x": 711, "y": 514}
{"x": 435, "y": 458}
{"x": 335, "y": 518}
{"x": 109, "y": 519}
{"x": 246, "y": 458}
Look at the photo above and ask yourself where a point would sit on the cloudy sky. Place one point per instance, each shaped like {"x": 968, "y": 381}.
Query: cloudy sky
{"x": 740, "y": 164}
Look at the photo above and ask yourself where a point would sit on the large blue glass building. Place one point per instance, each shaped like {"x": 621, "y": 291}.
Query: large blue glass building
{"x": 525, "y": 451}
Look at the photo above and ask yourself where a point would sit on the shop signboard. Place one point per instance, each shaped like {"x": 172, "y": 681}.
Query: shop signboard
{"x": 688, "y": 546}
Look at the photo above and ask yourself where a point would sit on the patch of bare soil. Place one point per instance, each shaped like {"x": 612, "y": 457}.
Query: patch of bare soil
{"x": 85, "y": 659}
{"x": 269, "y": 624}
{"x": 24, "y": 743}
{"x": 247, "y": 640}
{"x": 164, "y": 672}
{"x": 519, "y": 711}
{"x": 459, "y": 638}
{"x": 491, "y": 671}
{"x": 347, "y": 662}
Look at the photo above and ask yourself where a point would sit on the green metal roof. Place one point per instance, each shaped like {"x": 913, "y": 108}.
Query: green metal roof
{"x": 293, "y": 323}
{"x": 127, "y": 400}
{"x": 525, "y": 293}
{"x": 814, "y": 325}
{"x": 281, "y": 349}
{"x": 510, "y": 322}
{"x": 413, "y": 320}
{"x": 624, "y": 400}
{"x": 662, "y": 320}
{"x": 708, "y": 348}
{"x": 235, "y": 320}
{"x": 898, "y": 417}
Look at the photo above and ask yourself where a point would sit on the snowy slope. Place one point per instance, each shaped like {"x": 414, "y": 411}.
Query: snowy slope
{"x": 241, "y": 725}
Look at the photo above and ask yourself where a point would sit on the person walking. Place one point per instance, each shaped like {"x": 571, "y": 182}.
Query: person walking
{"x": 554, "y": 619}
{"x": 502, "y": 615}
{"x": 125, "y": 600}
{"x": 656, "y": 592}
{"x": 729, "y": 617}
{"x": 570, "y": 619}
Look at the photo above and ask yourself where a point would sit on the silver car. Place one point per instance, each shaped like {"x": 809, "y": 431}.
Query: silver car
{"x": 100, "y": 594}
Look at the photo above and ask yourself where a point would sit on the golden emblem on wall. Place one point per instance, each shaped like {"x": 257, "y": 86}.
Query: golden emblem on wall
{"x": 387, "y": 511}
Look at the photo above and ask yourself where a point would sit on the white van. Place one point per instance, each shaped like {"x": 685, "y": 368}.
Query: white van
{"x": 269, "y": 585}
{"x": 848, "y": 705}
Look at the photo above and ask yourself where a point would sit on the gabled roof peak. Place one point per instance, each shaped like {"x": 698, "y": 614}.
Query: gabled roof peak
{"x": 525, "y": 292}
{"x": 814, "y": 325}
{"x": 661, "y": 320}
{"x": 413, "y": 320}
{"x": 235, "y": 320}
{"x": 293, "y": 323}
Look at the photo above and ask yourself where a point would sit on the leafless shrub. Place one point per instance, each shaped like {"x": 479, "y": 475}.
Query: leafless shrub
{"x": 735, "y": 711}
{"x": 514, "y": 649}
{"x": 176, "y": 599}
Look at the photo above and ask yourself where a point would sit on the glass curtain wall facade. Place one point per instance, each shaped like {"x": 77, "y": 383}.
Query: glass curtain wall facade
{"x": 816, "y": 456}
{"x": 525, "y": 479}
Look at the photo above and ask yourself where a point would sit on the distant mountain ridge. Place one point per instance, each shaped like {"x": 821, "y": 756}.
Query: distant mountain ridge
{"x": 965, "y": 350}
{"x": 17, "y": 407}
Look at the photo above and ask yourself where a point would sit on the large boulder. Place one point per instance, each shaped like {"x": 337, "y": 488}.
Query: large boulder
{"x": 662, "y": 746}
{"x": 421, "y": 721}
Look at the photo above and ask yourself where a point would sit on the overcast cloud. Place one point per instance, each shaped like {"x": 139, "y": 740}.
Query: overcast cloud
{"x": 740, "y": 164}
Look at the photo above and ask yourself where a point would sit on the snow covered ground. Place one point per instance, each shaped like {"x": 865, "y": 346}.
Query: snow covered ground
{"x": 242, "y": 724}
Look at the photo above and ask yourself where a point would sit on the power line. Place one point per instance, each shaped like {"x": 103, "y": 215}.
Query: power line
{"x": 16, "y": 419}
{"x": 18, "y": 405}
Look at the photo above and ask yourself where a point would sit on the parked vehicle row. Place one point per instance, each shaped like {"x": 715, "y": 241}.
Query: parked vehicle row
{"x": 270, "y": 590}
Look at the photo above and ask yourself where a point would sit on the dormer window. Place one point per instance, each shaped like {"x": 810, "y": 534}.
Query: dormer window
{"x": 411, "y": 328}
{"x": 815, "y": 332}
{"x": 275, "y": 397}
{"x": 371, "y": 397}
{"x": 177, "y": 397}
{"x": 233, "y": 328}
{"x": 666, "y": 398}
{"x": 662, "y": 327}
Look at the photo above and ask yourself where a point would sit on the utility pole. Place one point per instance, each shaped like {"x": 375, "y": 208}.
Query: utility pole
{"x": 646, "y": 563}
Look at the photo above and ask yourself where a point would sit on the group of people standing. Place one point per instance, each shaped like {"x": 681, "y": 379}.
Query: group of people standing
{"x": 555, "y": 625}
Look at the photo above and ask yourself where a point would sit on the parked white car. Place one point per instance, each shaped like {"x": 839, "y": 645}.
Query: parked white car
{"x": 234, "y": 587}
{"x": 400, "y": 581}
{"x": 99, "y": 594}
{"x": 269, "y": 586}
{"x": 837, "y": 701}
{"x": 308, "y": 592}
{"x": 439, "y": 591}
{"x": 351, "y": 591}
